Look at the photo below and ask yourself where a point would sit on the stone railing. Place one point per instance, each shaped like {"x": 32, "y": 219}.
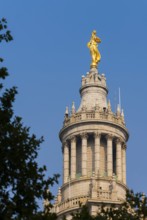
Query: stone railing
{"x": 104, "y": 194}
{"x": 94, "y": 115}
{"x": 69, "y": 204}
{"x": 78, "y": 201}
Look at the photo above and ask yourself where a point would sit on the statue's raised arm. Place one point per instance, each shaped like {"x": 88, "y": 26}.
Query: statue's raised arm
{"x": 93, "y": 46}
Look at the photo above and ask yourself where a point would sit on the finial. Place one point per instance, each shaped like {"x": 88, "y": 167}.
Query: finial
{"x": 73, "y": 109}
{"x": 59, "y": 195}
{"x": 109, "y": 106}
{"x": 122, "y": 115}
{"x": 118, "y": 112}
{"x": 93, "y": 47}
{"x": 59, "y": 190}
{"x": 56, "y": 199}
{"x": 66, "y": 112}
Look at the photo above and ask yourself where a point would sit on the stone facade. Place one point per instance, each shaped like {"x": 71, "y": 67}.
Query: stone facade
{"x": 94, "y": 151}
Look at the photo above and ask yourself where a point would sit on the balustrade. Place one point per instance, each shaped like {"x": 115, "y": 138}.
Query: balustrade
{"x": 74, "y": 202}
{"x": 94, "y": 116}
{"x": 104, "y": 194}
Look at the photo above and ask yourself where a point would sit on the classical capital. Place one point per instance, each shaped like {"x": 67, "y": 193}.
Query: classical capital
{"x": 109, "y": 137}
{"x": 73, "y": 138}
{"x": 124, "y": 146}
{"x": 97, "y": 134}
{"x": 84, "y": 135}
{"x": 118, "y": 141}
{"x": 65, "y": 144}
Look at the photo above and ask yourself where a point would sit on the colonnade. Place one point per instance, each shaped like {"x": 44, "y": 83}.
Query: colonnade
{"x": 69, "y": 156}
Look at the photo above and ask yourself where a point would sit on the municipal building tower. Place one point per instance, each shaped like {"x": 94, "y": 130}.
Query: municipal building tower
{"x": 93, "y": 146}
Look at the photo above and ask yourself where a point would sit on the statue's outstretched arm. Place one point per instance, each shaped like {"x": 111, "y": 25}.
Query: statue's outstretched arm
{"x": 98, "y": 40}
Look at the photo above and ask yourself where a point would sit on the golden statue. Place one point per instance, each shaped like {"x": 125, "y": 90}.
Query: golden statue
{"x": 93, "y": 46}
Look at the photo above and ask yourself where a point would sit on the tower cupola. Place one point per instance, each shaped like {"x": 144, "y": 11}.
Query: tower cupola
{"x": 94, "y": 147}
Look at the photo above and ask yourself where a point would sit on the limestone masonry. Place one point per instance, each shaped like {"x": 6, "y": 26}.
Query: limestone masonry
{"x": 94, "y": 151}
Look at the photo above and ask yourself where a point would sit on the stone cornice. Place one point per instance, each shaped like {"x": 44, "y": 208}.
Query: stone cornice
{"x": 93, "y": 85}
{"x": 89, "y": 179}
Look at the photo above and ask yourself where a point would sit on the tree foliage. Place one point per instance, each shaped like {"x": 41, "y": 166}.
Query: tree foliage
{"x": 22, "y": 181}
{"x": 83, "y": 214}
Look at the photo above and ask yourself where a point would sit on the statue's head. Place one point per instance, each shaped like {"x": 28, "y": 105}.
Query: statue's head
{"x": 94, "y": 32}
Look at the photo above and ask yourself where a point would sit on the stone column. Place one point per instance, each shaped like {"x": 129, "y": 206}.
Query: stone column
{"x": 66, "y": 162}
{"x": 124, "y": 164}
{"x": 109, "y": 155}
{"x": 97, "y": 152}
{"x": 73, "y": 157}
{"x": 62, "y": 163}
{"x": 118, "y": 160}
{"x": 84, "y": 154}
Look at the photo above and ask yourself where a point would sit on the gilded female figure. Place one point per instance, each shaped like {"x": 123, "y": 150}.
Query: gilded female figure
{"x": 93, "y": 46}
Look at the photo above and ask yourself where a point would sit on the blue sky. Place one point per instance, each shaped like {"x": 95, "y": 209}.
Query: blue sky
{"x": 49, "y": 55}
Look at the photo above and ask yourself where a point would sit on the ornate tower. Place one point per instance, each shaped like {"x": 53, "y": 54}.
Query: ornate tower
{"x": 94, "y": 150}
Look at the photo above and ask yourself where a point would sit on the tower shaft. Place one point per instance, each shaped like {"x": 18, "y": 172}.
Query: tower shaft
{"x": 94, "y": 151}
